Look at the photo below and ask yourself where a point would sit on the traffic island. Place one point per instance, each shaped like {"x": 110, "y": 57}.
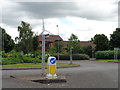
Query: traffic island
{"x": 44, "y": 80}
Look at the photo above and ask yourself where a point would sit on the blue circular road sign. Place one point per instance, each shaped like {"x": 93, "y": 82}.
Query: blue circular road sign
{"x": 52, "y": 60}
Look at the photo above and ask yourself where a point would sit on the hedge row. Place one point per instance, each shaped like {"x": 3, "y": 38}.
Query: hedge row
{"x": 14, "y": 57}
{"x": 74, "y": 57}
{"x": 106, "y": 54}
{"x": 11, "y": 60}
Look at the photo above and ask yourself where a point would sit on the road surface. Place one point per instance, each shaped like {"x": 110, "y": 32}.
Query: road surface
{"x": 90, "y": 74}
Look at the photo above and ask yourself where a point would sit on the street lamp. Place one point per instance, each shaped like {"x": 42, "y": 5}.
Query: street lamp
{"x": 58, "y": 42}
{"x": 44, "y": 36}
{"x": 71, "y": 55}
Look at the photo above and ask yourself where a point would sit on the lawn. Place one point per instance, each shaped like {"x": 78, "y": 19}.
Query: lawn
{"x": 110, "y": 60}
{"x": 32, "y": 65}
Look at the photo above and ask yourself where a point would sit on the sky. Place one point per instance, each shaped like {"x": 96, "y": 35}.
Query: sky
{"x": 84, "y": 18}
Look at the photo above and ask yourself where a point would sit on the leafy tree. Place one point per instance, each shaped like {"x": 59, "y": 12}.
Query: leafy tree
{"x": 35, "y": 43}
{"x": 58, "y": 47}
{"x": 24, "y": 41}
{"x": 7, "y": 42}
{"x": 74, "y": 44}
{"x": 87, "y": 50}
{"x": 52, "y": 50}
{"x": 35, "y": 46}
{"x": 101, "y": 41}
{"x": 115, "y": 39}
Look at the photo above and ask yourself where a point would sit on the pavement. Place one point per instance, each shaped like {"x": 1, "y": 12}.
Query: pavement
{"x": 90, "y": 74}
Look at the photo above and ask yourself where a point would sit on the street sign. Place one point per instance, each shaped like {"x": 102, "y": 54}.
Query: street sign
{"x": 51, "y": 70}
{"x": 116, "y": 53}
{"x": 117, "y": 49}
{"x": 53, "y": 60}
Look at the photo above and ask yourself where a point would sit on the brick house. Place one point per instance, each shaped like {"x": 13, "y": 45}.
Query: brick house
{"x": 49, "y": 42}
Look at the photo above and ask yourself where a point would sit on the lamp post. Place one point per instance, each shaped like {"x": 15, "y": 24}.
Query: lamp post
{"x": 43, "y": 50}
{"x": 44, "y": 36}
{"x": 71, "y": 55}
{"x": 58, "y": 42}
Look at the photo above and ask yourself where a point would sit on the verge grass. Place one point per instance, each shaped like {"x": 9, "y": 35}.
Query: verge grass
{"x": 32, "y": 65}
{"x": 110, "y": 60}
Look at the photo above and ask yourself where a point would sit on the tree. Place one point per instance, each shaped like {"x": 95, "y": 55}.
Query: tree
{"x": 35, "y": 43}
{"x": 35, "y": 46}
{"x": 74, "y": 44}
{"x": 24, "y": 41}
{"x": 115, "y": 39}
{"x": 56, "y": 48}
{"x": 101, "y": 41}
{"x": 87, "y": 50}
{"x": 7, "y": 42}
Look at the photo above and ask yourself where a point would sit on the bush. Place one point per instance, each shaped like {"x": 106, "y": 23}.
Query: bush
{"x": 106, "y": 54}
{"x": 10, "y": 60}
{"x": 14, "y": 57}
{"x": 31, "y": 60}
{"x": 74, "y": 56}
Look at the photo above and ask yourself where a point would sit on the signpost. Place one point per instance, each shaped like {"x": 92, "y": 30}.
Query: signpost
{"x": 116, "y": 53}
{"x": 43, "y": 50}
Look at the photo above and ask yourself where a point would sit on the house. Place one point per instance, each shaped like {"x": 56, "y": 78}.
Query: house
{"x": 49, "y": 42}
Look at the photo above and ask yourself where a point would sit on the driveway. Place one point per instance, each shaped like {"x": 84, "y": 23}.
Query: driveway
{"x": 90, "y": 74}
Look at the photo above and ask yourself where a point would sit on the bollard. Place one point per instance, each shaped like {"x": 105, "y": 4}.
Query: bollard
{"x": 51, "y": 68}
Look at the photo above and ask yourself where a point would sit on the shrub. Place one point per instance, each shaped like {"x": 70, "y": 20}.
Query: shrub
{"x": 10, "y": 60}
{"x": 14, "y": 57}
{"x": 74, "y": 56}
{"x": 106, "y": 54}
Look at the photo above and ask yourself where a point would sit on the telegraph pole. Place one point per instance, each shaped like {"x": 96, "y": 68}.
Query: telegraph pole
{"x": 43, "y": 49}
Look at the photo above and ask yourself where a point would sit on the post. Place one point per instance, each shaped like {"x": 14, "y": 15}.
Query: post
{"x": 43, "y": 50}
{"x": 58, "y": 42}
{"x": 71, "y": 55}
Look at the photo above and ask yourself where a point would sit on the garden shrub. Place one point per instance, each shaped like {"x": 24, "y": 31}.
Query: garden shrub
{"x": 74, "y": 57}
{"x": 109, "y": 54}
{"x": 10, "y": 60}
{"x": 14, "y": 57}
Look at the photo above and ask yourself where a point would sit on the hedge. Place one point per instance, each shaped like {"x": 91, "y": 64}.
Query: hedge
{"x": 106, "y": 54}
{"x": 74, "y": 57}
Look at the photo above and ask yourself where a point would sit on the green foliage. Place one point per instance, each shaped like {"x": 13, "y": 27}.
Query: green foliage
{"x": 31, "y": 60}
{"x": 101, "y": 41}
{"x": 52, "y": 50}
{"x": 115, "y": 39}
{"x": 74, "y": 44}
{"x": 25, "y": 39}
{"x": 86, "y": 50}
{"x": 14, "y": 57}
{"x": 11, "y": 60}
{"x": 39, "y": 54}
{"x": 106, "y": 54}
{"x": 75, "y": 57}
{"x": 58, "y": 47}
{"x": 35, "y": 43}
{"x": 7, "y": 42}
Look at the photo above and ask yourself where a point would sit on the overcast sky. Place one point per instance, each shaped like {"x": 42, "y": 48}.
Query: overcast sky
{"x": 84, "y": 18}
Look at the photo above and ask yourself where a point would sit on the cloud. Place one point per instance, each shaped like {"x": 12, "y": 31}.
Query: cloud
{"x": 13, "y": 12}
{"x": 84, "y": 18}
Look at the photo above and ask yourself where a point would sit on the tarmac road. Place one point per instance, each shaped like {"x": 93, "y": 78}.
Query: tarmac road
{"x": 90, "y": 74}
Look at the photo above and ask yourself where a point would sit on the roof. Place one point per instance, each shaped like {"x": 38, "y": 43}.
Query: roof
{"x": 51, "y": 38}
{"x": 86, "y": 43}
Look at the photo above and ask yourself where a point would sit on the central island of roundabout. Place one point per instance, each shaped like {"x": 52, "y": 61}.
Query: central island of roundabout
{"x": 50, "y": 76}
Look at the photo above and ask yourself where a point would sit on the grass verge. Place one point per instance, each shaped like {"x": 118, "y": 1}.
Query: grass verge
{"x": 32, "y": 65}
{"x": 111, "y": 60}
